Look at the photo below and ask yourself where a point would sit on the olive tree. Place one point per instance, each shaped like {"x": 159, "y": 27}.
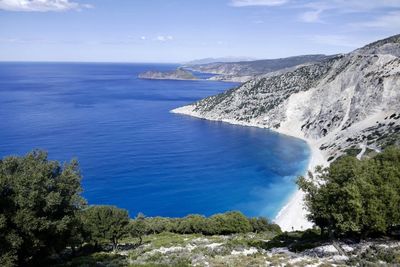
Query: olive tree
{"x": 106, "y": 224}
{"x": 38, "y": 203}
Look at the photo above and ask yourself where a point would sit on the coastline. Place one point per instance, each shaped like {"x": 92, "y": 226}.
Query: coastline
{"x": 292, "y": 216}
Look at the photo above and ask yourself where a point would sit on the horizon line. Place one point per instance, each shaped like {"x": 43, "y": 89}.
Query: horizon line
{"x": 93, "y": 62}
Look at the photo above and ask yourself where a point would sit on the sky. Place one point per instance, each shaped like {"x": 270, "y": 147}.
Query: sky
{"x": 183, "y": 30}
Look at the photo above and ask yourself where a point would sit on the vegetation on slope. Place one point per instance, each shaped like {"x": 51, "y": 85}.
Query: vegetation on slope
{"x": 42, "y": 213}
{"x": 45, "y": 221}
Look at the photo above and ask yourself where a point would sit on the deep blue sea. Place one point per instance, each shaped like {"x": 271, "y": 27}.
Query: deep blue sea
{"x": 133, "y": 153}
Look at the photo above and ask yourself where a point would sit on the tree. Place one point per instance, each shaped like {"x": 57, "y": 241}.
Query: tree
{"x": 230, "y": 223}
{"x": 191, "y": 224}
{"x": 106, "y": 223}
{"x": 38, "y": 203}
{"x": 355, "y": 197}
{"x": 138, "y": 228}
{"x": 261, "y": 224}
{"x": 156, "y": 225}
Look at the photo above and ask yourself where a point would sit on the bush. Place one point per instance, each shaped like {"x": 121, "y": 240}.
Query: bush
{"x": 219, "y": 224}
{"x": 356, "y": 197}
{"x": 261, "y": 224}
{"x": 230, "y": 223}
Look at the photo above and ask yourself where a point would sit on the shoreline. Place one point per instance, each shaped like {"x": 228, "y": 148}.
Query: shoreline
{"x": 292, "y": 216}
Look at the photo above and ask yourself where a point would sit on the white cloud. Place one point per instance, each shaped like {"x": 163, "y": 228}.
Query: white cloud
{"x": 241, "y": 3}
{"x": 143, "y": 38}
{"x": 163, "y": 38}
{"x": 41, "y": 5}
{"x": 388, "y": 20}
{"x": 311, "y": 16}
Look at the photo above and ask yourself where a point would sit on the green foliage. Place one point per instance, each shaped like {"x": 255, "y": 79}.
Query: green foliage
{"x": 356, "y": 197}
{"x": 138, "y": 228}
{"x": 219, "y": 224}
{"x": 229, "y": 223}
{"x": 296, "y": 241}
{"x": 106, "y": 223}
{"x": 353, "y": 151}
{"x": 97, "y": 259}
{"x": 261, "y": 224}
{"x": 156, "y": 225}
{"x": 39, "y": 199}
{"x": 192, "y": 224}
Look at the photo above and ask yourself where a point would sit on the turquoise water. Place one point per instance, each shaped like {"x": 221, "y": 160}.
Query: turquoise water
{"x": 133, "y": 152}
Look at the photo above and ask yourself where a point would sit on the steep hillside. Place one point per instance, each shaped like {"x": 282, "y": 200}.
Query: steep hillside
{"x": 347, "y": 101}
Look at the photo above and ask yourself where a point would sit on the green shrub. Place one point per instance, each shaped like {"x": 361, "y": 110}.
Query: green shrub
{"x": 356, "y": 197}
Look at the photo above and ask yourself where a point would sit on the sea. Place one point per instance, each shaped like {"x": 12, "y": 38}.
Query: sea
{"x": 133, "y": 152}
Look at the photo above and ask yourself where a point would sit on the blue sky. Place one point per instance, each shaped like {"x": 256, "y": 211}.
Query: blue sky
{"x": 181, "y": 30}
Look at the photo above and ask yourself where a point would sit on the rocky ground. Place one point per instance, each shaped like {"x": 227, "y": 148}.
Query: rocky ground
{"x": 169, "y": 249}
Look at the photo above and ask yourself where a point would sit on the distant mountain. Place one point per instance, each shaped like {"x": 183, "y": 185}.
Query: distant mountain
{"x": 219, "y": 59}
{"x": 255, "y": 67}
{"x": 240, "y": 71}
{"x": 178, "y": 74}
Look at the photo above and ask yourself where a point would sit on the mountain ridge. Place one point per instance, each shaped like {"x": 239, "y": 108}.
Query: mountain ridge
{"x": 255, "y": 67}
{"x": 240, "y": 71}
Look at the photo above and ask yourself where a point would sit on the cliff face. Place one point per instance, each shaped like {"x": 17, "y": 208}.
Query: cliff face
{"x": 347, "y": 101}
{"x": 179, "y": 74}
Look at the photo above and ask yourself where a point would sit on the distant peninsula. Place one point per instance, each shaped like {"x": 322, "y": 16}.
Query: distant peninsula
{"x": 178, "y": 74}
{"x": 240, "y": 71}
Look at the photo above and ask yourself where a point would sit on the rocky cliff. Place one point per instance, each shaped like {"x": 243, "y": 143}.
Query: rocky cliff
{"x": 346, "y": 102}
